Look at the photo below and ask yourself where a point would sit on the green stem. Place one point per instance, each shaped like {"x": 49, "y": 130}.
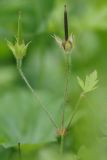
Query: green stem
{"x": 19, "y": 37}
{"x": 65, "y": 100}
{"x": 66, "y": 87}
{"x": 62, "y": 145}
{"x": 75, "y": 110}
{"x": 19, "y": 150}
{"x": 67, "y": 69}
{"x": 35, "y": 94}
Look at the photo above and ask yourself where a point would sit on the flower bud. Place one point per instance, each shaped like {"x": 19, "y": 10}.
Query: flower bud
{"x": 19, "y": 48}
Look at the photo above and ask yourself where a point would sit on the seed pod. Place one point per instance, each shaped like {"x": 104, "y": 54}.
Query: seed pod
{"x": 67, "y": 43}
{"x": 65, "y": 24}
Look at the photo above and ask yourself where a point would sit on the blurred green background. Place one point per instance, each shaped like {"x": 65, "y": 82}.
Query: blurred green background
{"x": 21, "y": 120}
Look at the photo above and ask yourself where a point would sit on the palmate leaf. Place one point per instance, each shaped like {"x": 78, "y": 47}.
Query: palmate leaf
{"x": 90, "y": 82}
{"x": 22, "y": 120}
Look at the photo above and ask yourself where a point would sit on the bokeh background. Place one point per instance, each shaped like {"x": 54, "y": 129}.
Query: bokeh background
{"x": 21, "y": 119}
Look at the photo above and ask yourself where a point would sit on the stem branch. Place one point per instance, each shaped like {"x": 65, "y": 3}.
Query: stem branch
{"x": 66, "y": 76}
{"x": 75, "y": 110}
{"x": 35, "y": 94}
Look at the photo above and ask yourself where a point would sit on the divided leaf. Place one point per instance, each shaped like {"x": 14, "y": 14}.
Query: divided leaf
{"x": 90, "y": 82}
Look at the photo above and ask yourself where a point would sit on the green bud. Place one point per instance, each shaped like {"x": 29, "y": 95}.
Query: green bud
{"x": 18, "y": 49}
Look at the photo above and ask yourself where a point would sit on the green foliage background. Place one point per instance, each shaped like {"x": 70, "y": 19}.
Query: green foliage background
{"x": 21, "y": 120}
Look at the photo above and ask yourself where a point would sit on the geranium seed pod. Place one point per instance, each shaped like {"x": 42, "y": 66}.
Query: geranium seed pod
{"x": 65, "y": 23}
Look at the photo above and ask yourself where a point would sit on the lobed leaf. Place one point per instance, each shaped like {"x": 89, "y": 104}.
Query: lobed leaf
{"x": 90, "y": 82}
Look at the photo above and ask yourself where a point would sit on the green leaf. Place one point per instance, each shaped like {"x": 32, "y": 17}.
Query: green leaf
{"x": 90, "y": 82}
{"x": 81, "y": 82}
{"x": 22, "y": 120}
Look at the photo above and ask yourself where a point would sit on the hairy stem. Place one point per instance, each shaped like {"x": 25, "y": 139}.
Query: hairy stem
{"x": 67, "y": 72}
{"x": 75, "y": 110}
{"x": 35, "y": 94}
{"x": 67, "y": 68}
